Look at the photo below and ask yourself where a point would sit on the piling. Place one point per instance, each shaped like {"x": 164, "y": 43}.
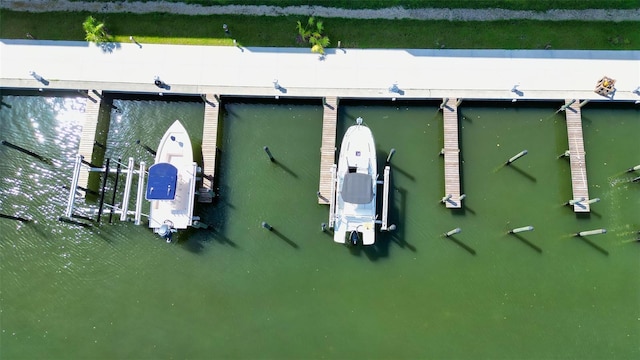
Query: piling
{"x": 521, "y": 229}
{"x": 516, "y": 157}
{"x": 266, "y": 149}
{"x": 591, "y": 232}
{"x": 453, "y": 232}
{"x": 446, "y": 198}
{"x": 635, "y": 168}
{"x": 267, "y": 226}
{"x": 393, "y": 151}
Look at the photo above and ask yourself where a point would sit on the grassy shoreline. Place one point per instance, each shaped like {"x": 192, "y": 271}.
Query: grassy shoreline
{"x": 353, "y": 33}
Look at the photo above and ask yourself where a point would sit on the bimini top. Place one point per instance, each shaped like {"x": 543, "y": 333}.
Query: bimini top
{"x": 357, "y": 188}
{"x": 162, "y": 182}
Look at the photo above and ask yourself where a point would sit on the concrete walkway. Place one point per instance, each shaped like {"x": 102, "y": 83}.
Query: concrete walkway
{"x": 296, "y": 72}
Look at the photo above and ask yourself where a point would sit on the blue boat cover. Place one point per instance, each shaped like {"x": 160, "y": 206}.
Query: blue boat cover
{"x": 162, "y": 182}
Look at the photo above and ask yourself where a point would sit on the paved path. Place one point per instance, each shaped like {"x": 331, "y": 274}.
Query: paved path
{"x": 388, "y": 13}
{"x": 345, "y": 73}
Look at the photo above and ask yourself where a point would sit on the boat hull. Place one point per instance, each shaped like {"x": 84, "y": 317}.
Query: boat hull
{"x": 172, "y": 181}
{"x": 355, "y": 212}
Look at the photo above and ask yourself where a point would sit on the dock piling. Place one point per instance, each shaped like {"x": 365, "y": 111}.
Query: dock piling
{"x": 521, "y": 229}
{"x": 266, "y": 149}
{"x": 452, "y": 232}
{"x": 516, "y": 157}
{"x": 591, "y": 232}
{"x": 635, "y": 168}
{"x": 393, "y": 151}
{"x": 266, "y": 226}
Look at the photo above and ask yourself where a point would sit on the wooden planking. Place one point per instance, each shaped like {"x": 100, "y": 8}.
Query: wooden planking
{"x": 577, "y": 156}
{"x": 328, "y": 147}
{"x": 209, "y": 145}
{"x": 451, "y": 154}
{"x": 88, "y": 136}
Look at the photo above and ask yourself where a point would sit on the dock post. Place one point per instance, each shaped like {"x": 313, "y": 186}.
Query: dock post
{"x": 591, "y": 232}
{"x": 521, "y": 229}
{"x": 102, "y": 190}
{"x": 444, "y": 103}
{"x": 635, "y": 168}
{"x": 385, "y": 199}
{"x": 266, "y": 149}
{"x": 74, "y": 185}
{"x": 127, "y": 190}
{"x": 332, "y": 199}
{"x": 516, "y": 157}
{"x": 266, "y": 226}
{"x": 583, "y": 103}
{"x": 140, "y": 193}
{"x": 453, "y": 232}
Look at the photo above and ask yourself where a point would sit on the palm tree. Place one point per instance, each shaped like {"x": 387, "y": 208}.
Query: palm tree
{"x": 95, "y": 30}
{"x": 312, "y": 33}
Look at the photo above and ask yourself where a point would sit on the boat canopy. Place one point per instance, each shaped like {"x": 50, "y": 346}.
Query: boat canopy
{"x": 162, "y": 182}
{"x": 357, "y": 188}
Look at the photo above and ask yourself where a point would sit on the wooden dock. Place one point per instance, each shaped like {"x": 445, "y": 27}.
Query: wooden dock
{"x": 88, "y": 136}
{"x": 209, "y": 146}
{"x": 328, "y": 148}
{"x": 577, "y": 156}
{"x": 451, "y": 154}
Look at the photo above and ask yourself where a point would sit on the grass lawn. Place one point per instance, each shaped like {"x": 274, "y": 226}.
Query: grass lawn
{"x": 281, "y": 31}
{"x": 416, "y": 4}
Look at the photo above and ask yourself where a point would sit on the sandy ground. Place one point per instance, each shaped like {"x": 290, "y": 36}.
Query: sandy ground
{"x": 389, "y": 13}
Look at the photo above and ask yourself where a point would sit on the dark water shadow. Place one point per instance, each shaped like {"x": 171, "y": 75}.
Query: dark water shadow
{"x": 284, "y": 238}
{"x": 461, "y": 244}
{"x": 522, "y": 172}
{"x": 593, "y": 245}
{"x": 285, "y": 168}
{"x": 527, "y": 242}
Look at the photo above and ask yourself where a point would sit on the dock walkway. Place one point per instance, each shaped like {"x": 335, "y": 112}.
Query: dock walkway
{"x": 209, "y": 146}
{"x": 577, "y": 156}
{"x": 451, "y": 152}
{"x": 88, "y": 136}
{"x": 328, "y": 147}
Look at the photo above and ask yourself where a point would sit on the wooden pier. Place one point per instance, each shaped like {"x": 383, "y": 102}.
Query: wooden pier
{"x": 577, "y": 156}
{"x": 88, "y": 136}
{"x": 451, "y": 153}
{"x": 328, "y": 148}
{"x": 209, "y": 146}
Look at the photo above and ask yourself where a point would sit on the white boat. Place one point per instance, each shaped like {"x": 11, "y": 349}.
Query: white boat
{"x": 172, "y": 183}
{"x": 356, "y": 182}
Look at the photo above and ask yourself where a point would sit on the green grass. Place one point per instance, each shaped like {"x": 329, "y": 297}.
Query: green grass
{"x": 416, "y": 4}
{"x": 280, "y": 31}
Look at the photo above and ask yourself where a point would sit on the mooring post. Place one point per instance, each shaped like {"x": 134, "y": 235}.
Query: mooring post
{"x": 583, "y": 103}
{"x": 323, "y": 227}
{"x": 591, "y": 232}
{"x": 266, "y": 149}
{"x": 574, "y": 201}
{"x": 516, "y": 157}
{"x": 636, "y": 179}
{"x": 393, "y": 151}
{"x": 452, "y": 232}
{"x": 565, "y": 154}
{"x": 591, "y": 201}
{"x": 444, "y": 103}
{"x": 565, "y": 106}
{"x": 458, "y": 102}
{"x": 446, "y": 198}
{"x": 102, "y": 190}
{"x": 521, "y": 229}
{"x": 635, "y": 168}
{"x": 266, "y": 226}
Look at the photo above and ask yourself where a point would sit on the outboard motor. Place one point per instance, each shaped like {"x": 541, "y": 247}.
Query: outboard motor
{"x": 354, "y": 237}
{"x": 166, "y": 231}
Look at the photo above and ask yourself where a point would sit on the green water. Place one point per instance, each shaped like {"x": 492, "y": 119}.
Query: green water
{"x": 239, "y": 291}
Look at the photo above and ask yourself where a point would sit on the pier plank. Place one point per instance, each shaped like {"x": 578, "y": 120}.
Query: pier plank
{"x": 577, "y": 160}
{"x": 88, "y": 135}
{"x": 451, "y": 154}
{"x": 328, "y": 147}
{"x": 209, "y": 146}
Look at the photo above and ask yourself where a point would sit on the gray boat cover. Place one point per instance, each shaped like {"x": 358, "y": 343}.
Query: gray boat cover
{"x": 357, "y": 188}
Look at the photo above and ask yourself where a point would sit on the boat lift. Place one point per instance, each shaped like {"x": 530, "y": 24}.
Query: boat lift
{"x": 124, "y": 212}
